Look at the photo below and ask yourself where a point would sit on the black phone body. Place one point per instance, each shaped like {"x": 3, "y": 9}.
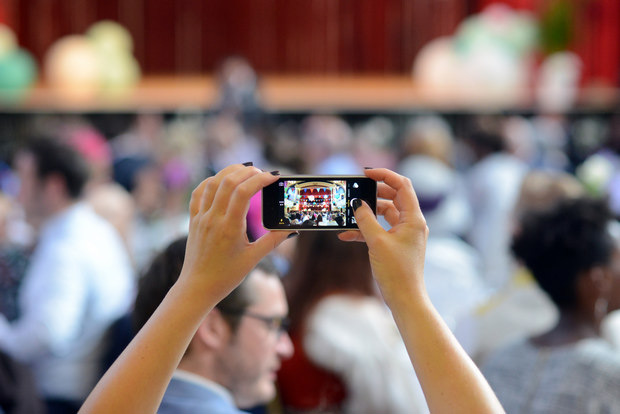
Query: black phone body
{"x": 303, "y": 202}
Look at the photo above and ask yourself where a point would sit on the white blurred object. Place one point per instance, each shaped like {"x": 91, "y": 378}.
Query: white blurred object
{"x": 490, "y": 57}
{"x": 73, "y": 68}
{"x": 610, "y": 328}
{"x": 595, "y": 173}
{"x": 493, "y": 73}
{"x": 557, "y": 85}
{"x": 435, "y": 67}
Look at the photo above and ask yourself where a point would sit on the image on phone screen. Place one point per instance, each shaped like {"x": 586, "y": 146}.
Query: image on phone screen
{"x": 315, "y": 203}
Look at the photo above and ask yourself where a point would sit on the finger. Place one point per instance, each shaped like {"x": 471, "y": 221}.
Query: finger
{"x": 405, "y": 199}
{"x": 240, "y": 198}
{"x": 367, "y": 222}
{"x": 387, "y": 209}
{"x": 213, "y": 184}
{"x": 228, "y": 185}
{"x": 385, "y": 191}
{"x": 265, "y": 244}
{"x": 349, "y": 236}
{"x": 197, "y": 196}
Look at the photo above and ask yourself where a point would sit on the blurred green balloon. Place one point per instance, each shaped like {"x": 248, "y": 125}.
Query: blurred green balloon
{"x": 18, "y": 71}
{"x": 110, "y": 37}
{"x": 120, "y": 74}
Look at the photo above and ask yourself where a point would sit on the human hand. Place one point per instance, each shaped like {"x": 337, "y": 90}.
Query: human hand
{"x": 218, "y": 253}
{"x": 396, "y": 255}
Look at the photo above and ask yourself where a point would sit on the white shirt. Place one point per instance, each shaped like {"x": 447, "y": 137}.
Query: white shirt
{"x": 79, "y": 281}
{"x": 493, "y": 186}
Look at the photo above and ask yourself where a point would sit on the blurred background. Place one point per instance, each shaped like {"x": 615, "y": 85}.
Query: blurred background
{"x": 491, "y": 108}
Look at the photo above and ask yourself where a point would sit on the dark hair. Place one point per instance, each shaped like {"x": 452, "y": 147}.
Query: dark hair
{"x": 164, "y": 271}
{"x": 54, "y": 157}
{"x": 558, "y": 245}
{"x": 323, "y": 265}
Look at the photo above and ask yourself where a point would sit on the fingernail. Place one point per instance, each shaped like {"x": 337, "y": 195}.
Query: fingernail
{"x": 276, "y": 172}
{"x": 368, "y": 168}
{"x": 248, "y": 164}
{"x": 356, "y": 203}
{"x": 290, "y": 236}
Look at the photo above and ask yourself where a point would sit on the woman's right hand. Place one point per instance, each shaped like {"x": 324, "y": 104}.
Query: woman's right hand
{"x": 396, "y": 255}
{"x": 219, "y": 254}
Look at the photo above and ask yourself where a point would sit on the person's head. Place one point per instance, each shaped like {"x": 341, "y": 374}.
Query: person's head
{"x": 52, "y": 176}
{"x": 141, "y": 177}
{"x": 541, "y": 190}
{"x": 429, "y": 136}
{"x": 240, "y": 343}
{"x": 324, "y": 265}
{"x": 573, "y": 256}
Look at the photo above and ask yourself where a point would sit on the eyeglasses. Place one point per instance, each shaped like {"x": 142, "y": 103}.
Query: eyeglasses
{"x": 279, "y": 324}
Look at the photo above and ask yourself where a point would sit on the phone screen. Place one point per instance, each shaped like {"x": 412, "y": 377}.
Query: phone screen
{"x": 315, "y": 203}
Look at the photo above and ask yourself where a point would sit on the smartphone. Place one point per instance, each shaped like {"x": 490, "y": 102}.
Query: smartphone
{"x": 315, "y": 202}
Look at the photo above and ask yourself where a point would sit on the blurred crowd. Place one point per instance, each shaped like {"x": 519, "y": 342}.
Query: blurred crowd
{"x": 476, "y": 180}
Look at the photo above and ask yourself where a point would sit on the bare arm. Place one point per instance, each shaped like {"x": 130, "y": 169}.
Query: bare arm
{"x": 217, "y": 258}
{"x": 451, "y": 381}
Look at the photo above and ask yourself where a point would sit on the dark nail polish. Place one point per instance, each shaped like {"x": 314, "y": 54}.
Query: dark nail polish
{"x": 290, "y": 236}
{"x": 248, "y": 164}
{"x": 368, "y": 168}
{"x": 356, "y": 203}
{"x": 276, "y": 172}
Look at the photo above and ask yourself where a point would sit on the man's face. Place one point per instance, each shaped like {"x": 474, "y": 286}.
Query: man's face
{"x": 256, "y": 349}
{"x": 31, "y": 190}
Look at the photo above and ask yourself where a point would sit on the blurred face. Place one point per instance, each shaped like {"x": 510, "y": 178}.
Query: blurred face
{"x": 31, "y": 190}
{"x": 257, "y": 347}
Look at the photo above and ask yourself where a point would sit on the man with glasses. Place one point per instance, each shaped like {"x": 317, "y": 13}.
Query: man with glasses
{"x": 232, "y": 360}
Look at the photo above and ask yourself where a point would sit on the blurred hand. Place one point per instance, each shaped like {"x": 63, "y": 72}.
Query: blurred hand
{"x": 396, "y": 255}
{"x": 219, "y": 254}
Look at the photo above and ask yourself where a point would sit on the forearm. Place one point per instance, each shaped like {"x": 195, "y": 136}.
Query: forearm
{"x": 451, "y": 381}
{"x": 136, "y": 382}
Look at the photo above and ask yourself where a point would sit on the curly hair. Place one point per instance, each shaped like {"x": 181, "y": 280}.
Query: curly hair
{"x": 558, "y": 245}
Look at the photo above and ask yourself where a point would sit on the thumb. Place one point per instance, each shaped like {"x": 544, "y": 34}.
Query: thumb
{"x": 366, "y": 220}
{"x": 264, "y": 245}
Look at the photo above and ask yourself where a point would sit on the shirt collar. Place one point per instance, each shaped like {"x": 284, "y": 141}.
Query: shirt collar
{"x": 204, "y": 382}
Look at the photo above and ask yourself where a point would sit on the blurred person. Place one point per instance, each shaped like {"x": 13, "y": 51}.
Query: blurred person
{"x": 232, "y": 358}
{"x": 492, "y": 184}
{"x": 93, "y": 147}
{"x": 569, "y": 368}
{"x": 348, "y": 355}
{"x": 79, "y": 279}
{"x": 431, "y": 136}
{"x": 521, "y": 309}
{"x": 452, "y": 267}
{"x": 143, "y": 138}
{"x": 218, "y": 256}
{"x": 428, "y": 138}
{"x": 372, "y": 143}
{"x": 238, "y": 86}
{"x": 115, "y": 204}
{"x": 18, "y": 391}
{"x": 141, "y": 177}
{"x": 227, "y": 142}
{"x": 108, "y": 198}
{"x": 14, "y": 259}
{"x": 326, "y": 144}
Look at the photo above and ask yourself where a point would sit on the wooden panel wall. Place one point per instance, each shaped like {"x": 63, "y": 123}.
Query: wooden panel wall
{"x": 277, "y": 36}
